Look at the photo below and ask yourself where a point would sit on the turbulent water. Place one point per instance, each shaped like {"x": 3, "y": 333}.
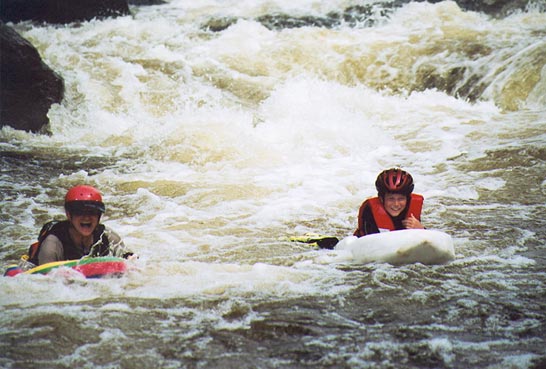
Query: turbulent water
{"x": 217, "y": 129}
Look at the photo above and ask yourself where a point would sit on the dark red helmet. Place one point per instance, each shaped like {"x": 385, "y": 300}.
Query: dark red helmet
{"x": 394, "y": 180}
{"x": 81, "y": 199}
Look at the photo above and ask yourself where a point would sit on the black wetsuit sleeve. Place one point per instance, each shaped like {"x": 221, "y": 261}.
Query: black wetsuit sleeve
{"x": 398, "y": 225}
{"x": 366, "y": 222}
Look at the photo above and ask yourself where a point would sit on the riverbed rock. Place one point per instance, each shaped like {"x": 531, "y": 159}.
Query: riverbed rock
{"x": 61, "y": 11}
{"x": 28, "y": 87}
{"x": 495, "y": 8}
{"x": 146, "y": 2}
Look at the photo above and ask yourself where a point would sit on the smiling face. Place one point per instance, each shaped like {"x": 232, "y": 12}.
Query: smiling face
{"x": 84, "y": 224}
{"x": 394, "y": 203}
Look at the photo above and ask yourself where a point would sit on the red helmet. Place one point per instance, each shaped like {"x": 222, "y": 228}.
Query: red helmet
{"x": 80, "y": 199}
{"x": 394, "y": 180}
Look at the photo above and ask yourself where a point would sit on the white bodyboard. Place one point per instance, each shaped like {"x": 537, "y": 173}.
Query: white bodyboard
{"x": 401, "y": 247}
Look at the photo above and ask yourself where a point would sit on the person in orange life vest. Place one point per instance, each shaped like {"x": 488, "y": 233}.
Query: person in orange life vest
{"x": 395, "y": 207}
{"x": 81, "y": 234}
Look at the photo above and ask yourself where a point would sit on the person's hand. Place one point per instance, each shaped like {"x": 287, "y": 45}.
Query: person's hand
{"x": 412, "y": 223}
{"x": 130, "y": 256}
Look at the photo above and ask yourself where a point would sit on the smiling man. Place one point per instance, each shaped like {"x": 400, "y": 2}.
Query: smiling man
{"x": 81, "y": 234}
{"x": 395, "y": 207}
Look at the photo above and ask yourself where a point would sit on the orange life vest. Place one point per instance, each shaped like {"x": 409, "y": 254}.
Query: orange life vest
{"x": 384, "y": 221}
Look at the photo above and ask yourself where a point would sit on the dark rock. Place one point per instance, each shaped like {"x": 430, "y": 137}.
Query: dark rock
{"x": 495, "y": 8}
{"x": 368, "y": 15}
{"x": 28, "y": 87}
{"x": 60, "y": 11}
{"x": 219, "y": 24}
{"x": 365, "y": 15}
{"x": 146, "y": 2}
{"x": 282, "y": 21}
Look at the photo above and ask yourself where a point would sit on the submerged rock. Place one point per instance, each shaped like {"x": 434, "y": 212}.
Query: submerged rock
{"x": 146, "y": 2}
{"x": 366, "y": 15}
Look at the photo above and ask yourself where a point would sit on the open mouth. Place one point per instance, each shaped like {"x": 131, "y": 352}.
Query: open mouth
{"x": 86, "y": 225}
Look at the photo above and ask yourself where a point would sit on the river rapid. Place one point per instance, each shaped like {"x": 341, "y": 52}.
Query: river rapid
{"x": 218, "y": 129}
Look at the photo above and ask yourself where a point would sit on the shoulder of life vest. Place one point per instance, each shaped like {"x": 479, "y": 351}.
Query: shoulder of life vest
{"x": 384, "y": 221}
{"x": 32, "y": 254}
